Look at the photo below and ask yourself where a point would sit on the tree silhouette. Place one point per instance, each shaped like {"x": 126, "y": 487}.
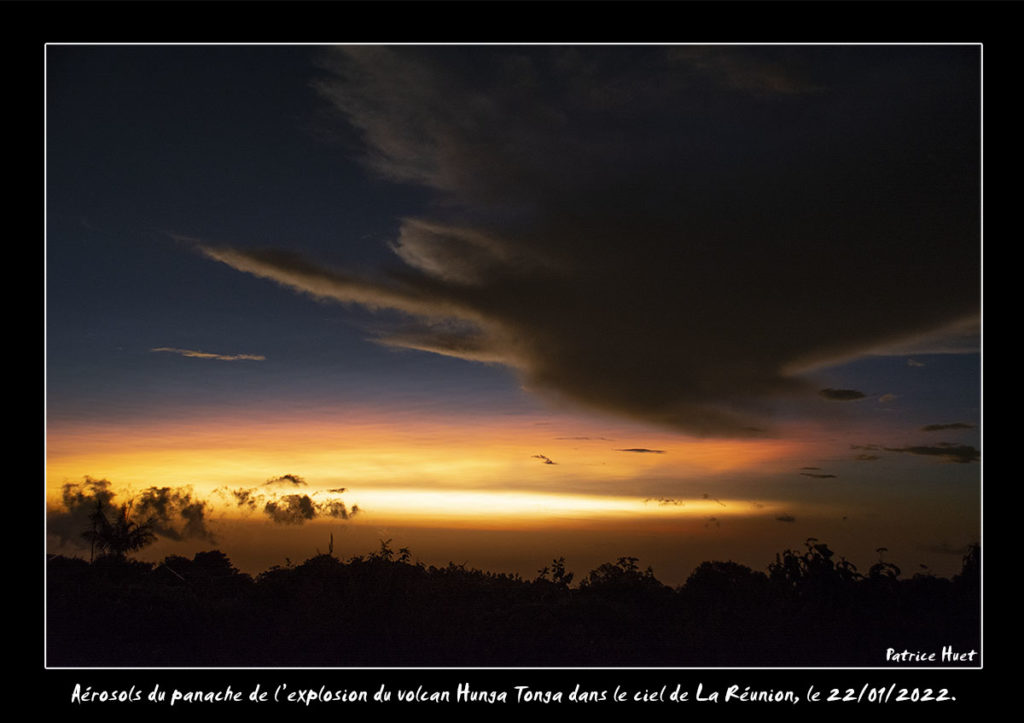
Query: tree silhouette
{"x": 556, "y": 573}
{"x": 812, "y": 608}
{"x": 883, "y": 569}
{"x": 118, "y": 538}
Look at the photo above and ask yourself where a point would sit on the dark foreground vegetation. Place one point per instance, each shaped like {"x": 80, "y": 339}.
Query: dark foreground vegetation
{"x": 809, "y": 609}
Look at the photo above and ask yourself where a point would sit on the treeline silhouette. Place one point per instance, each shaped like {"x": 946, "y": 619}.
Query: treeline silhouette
{"x": 382, "y": 609}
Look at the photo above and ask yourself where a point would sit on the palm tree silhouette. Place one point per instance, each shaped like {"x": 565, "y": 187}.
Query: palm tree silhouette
{"x": 119, "y": 537}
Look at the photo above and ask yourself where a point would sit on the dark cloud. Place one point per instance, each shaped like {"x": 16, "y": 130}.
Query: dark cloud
{"x": 810, "y": 468}
{"x": 337, "y": 490}
{"x": 864, "y": 457}
{"x": 87, "y": 492}
{"x": 941, "y": 427}
{"x": 642, "y": 450}
{"x": 544, "y": 459}
{"x": 174, "y": 513}
{"x": 297, "y": 509}
{"x": 247, "y": 498}
{"x": 960, "y": 453}
{"x": 666, "y": 501}
{"x": 291, "y": 509}
{"x": 667, "y": 233}
{"x": 785, "y": 518}
{"x": 336, "y": 509}
{"x": 842, "y": 395}
{"x": 292, "y": 479}
{"x": 80, "y": 500}
{"x": 869, "y": 447}
{"x": 819, "y": 476}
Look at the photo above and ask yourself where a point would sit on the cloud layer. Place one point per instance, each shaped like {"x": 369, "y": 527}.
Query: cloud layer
{"x": 675, "y": 234}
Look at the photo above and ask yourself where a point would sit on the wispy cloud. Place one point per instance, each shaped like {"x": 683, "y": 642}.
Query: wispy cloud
{"x": 942, "y": 427}
{"x": 246, "y": 498}
{"x": 207, "y": 355}
{"x": 865, "y": 457}
{"x": 666, "y": 501}
{"x": 949, "y": 452}
{"x": 714, "y": 499}
{"x": 642, "y": 450}
{"x": 745, "y": 71}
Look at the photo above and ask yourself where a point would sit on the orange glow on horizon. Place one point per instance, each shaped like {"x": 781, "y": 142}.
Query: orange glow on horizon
{"x": 409, "y": 506}
{"x": 506, "y": 470}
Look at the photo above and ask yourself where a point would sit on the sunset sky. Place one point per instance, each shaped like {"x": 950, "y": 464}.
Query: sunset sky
{"x": 501, "y": 304}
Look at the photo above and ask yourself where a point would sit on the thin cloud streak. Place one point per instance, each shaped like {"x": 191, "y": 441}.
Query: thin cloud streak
{"x": 842, "y": 395}
{"x": 206, "y": 355}
{"x": 943, "y": 427}
{"x": 958, "y": 453}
